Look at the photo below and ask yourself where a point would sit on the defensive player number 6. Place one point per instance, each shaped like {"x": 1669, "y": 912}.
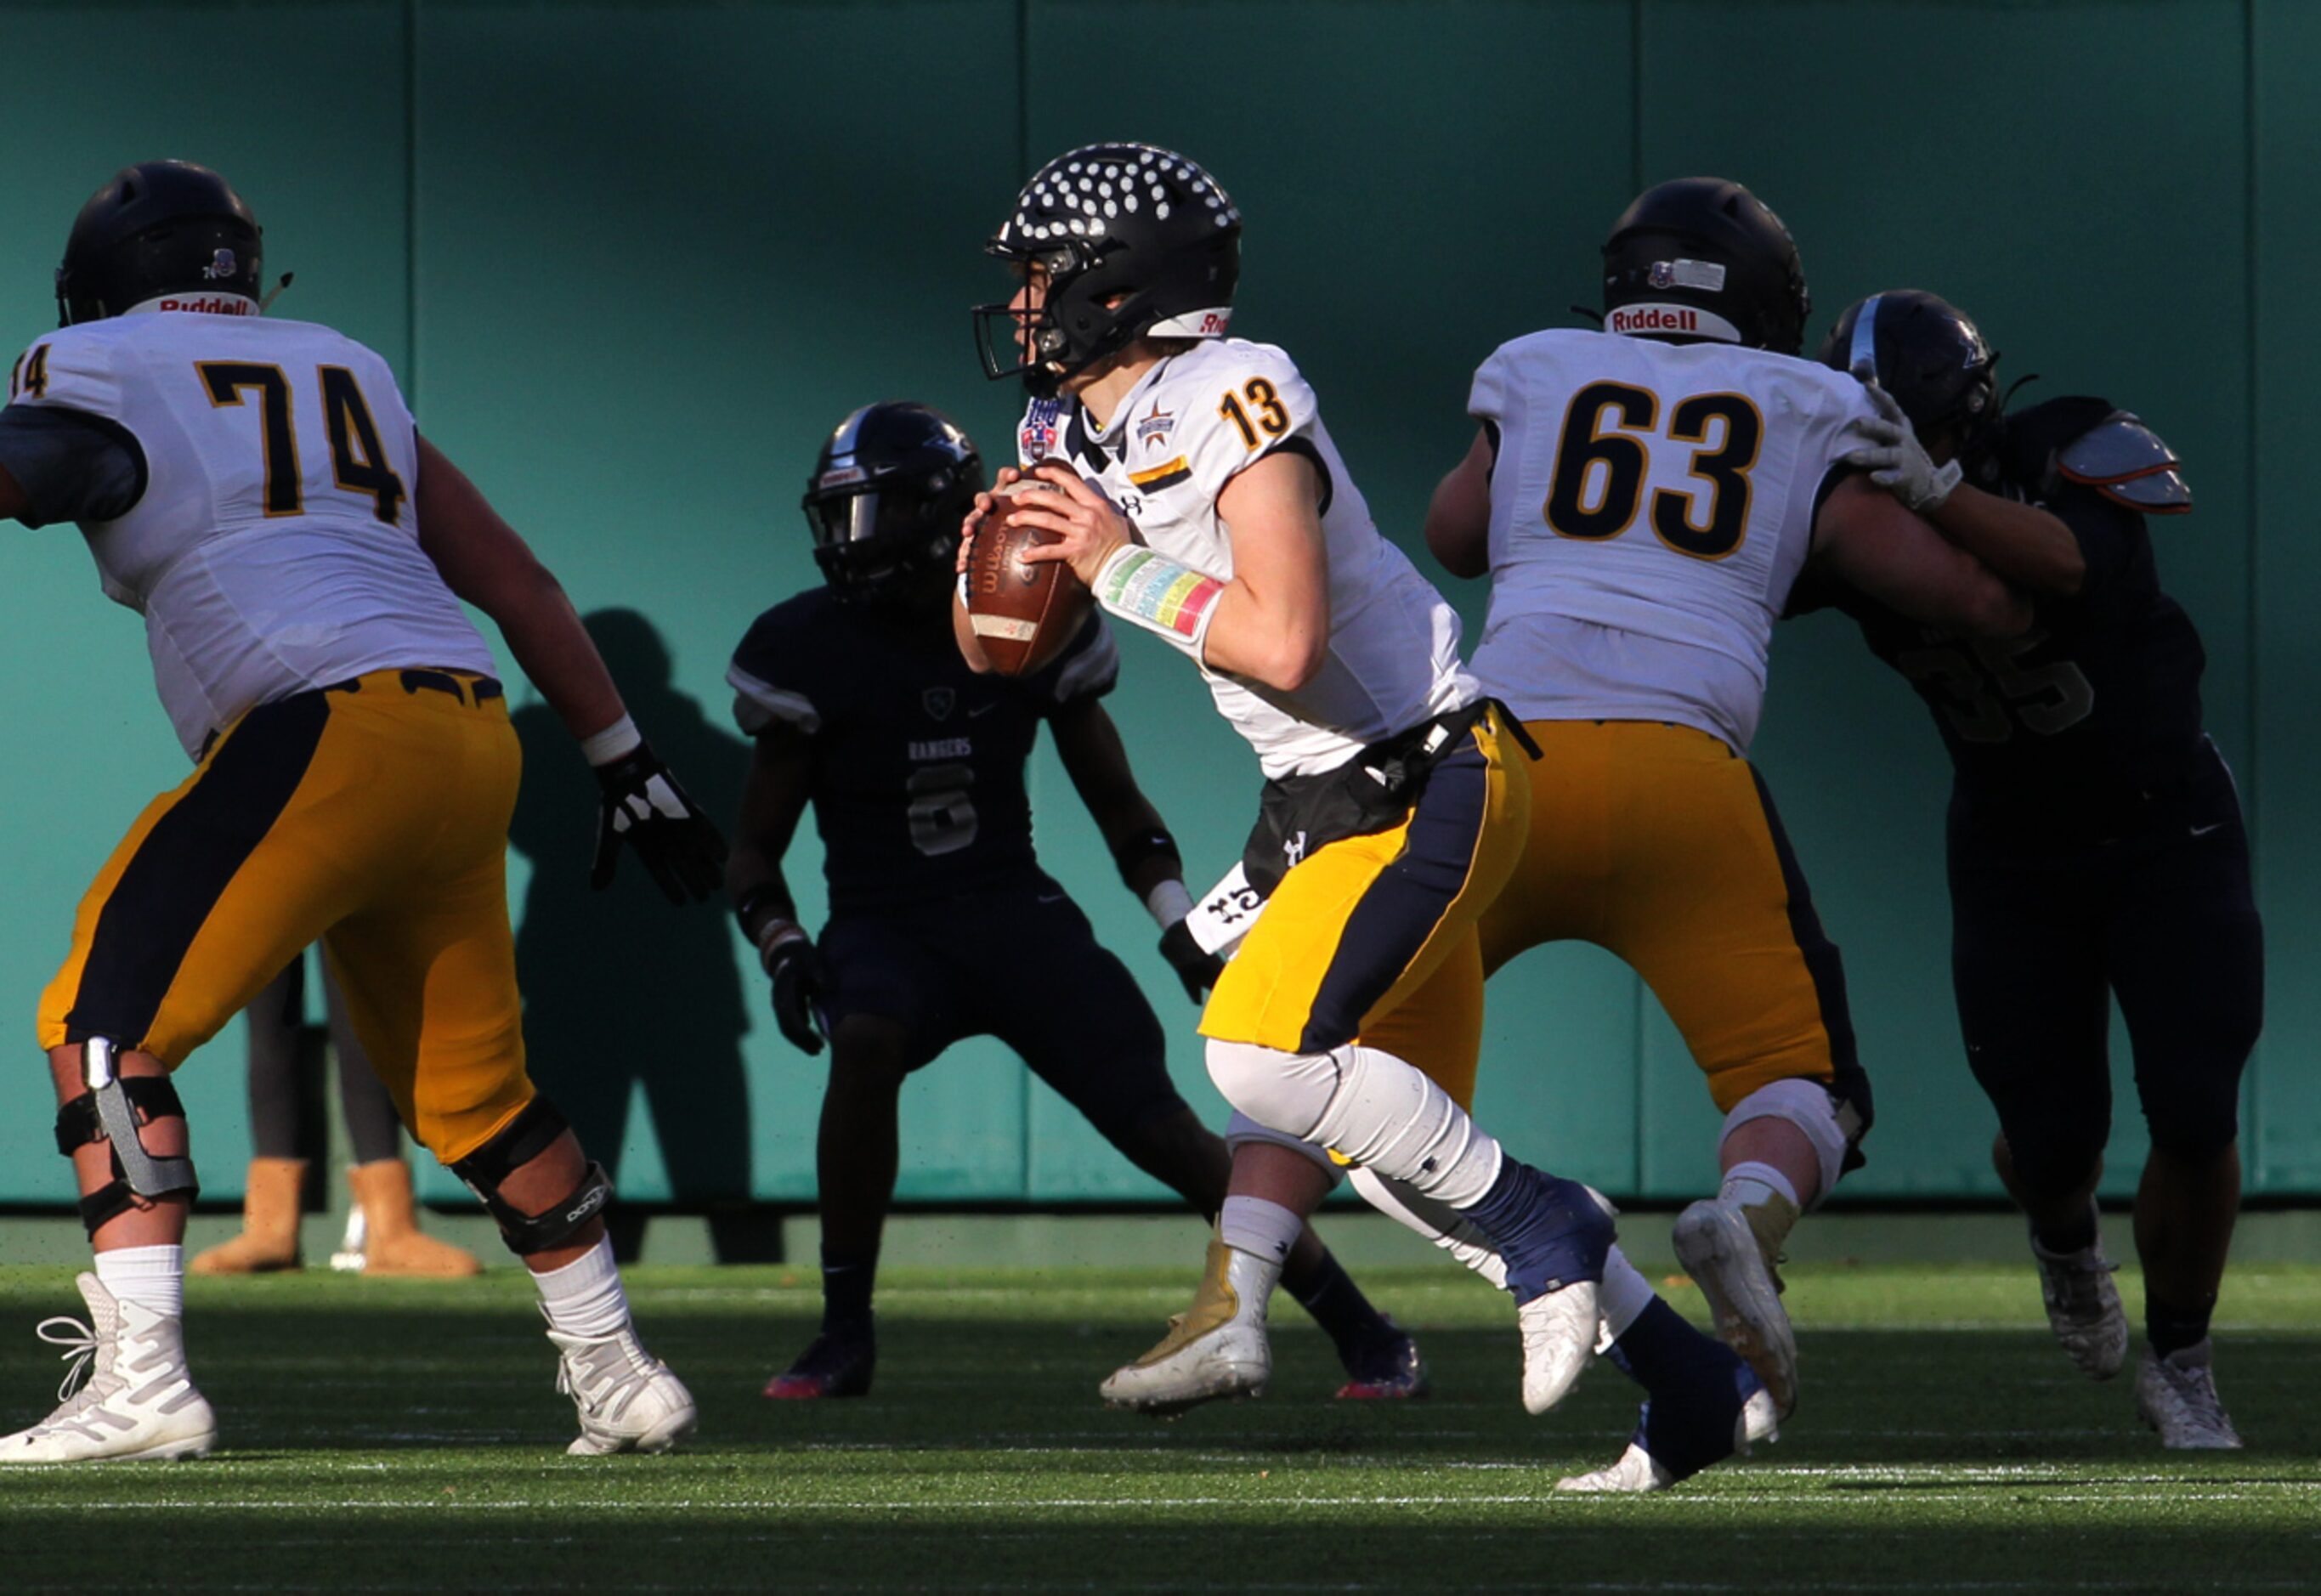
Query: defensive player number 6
{"x": 942, "y": 814}
{"x": 359, "y": 463}
{"x": 1602, "y": 456}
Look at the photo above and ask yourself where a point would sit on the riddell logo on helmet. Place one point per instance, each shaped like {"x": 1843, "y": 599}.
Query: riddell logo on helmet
{"x": 216, "y": 304}
{"x": 1654, "y": 318}
{"x": 1671, "y": 320}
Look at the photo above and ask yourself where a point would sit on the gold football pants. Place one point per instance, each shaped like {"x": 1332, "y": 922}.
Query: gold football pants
{"x": 1373, "y": 938}
{"x": 372, "y": 816}
{"x": 1659, "y": 845}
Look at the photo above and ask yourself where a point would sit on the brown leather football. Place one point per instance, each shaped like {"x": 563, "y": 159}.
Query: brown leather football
{"x": 1023, "y": 614}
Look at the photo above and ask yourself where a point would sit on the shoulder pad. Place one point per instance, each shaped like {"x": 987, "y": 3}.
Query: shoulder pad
{"x": 2126, "y": 463}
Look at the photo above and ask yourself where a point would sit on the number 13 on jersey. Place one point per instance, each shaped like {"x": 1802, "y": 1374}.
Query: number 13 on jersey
{"x": 1603, "y": 454}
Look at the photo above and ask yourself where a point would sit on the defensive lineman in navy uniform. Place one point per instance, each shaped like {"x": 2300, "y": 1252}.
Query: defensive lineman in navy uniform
{"x": 255, "y": 489}
{"x": 943, "y": 924}
{"x": 2096, "y": 841}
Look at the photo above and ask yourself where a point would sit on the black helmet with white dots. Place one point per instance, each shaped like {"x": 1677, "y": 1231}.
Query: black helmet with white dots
{"x": 1134, "y": 241}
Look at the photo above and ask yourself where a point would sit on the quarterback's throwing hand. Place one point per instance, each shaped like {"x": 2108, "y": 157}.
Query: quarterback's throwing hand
{"x": 1895, "y": 461}
{"x": 1087, "y": 525}
{"x": 641, "y": 805}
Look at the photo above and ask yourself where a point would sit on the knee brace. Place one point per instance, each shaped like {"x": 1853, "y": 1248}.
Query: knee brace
{"x": 112, "y": 1110}
{"x": 524, "y": 1138}
{"x": 1816, "y": 1111}
{"x": 1241, "y": 1129}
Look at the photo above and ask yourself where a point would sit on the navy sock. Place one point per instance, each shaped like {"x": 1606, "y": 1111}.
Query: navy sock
{"x": 1693, "y": 1385}
{"x": 1339, "y": 1306}
{"x": 2079, "y": 1234}
{"x": 847, "y": 1279}
{"x": 2173, "y": 1329}
{"x": 1545, "y": 1228}
{"x": 1661, "y": 1351}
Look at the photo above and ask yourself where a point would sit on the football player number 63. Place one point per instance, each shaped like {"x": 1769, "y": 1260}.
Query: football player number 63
{"x": 1606, "y": 449}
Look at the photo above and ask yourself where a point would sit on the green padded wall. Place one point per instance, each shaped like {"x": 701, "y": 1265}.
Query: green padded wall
{"x": 632, "y": 260}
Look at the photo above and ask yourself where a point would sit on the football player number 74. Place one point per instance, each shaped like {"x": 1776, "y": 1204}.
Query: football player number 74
{"x": 1606, "y": 448}
{"x": 359, "y": 465}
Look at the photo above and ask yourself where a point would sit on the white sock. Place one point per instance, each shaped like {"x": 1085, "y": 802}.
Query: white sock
{"x": 585, "y": 1296}
{"x": 1624, "y": 1295}
{"x": 1749, "y": 1184}
{"x": 1256, "y": 1226}
{"x": 151, "y": 1277}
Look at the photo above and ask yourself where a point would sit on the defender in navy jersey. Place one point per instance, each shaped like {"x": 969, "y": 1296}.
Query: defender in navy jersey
{"x": 2096, "y": 841}
{"x": 862, "y": 707}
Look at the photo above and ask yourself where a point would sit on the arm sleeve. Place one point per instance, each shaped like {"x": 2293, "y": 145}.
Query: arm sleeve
{"x": 769, "y": 688}
{"x": 1088, "y": 668}
{"x": 61, "y": 436}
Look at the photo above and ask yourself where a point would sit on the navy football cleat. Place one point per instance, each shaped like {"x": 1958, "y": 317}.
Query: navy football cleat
{"x": 834, "y": 1363}
{"x": 1386, "y": 1369}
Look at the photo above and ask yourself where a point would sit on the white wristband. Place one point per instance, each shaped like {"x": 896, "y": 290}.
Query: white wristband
{"x": 621, "y": 737}
{"x": 1163, "y": 596}
{"x": 1168, "y": 903}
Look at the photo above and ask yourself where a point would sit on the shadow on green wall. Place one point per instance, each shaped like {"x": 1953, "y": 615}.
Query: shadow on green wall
{"x": 623, "y": 991}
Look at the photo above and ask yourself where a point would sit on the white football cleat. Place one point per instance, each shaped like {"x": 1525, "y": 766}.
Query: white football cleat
{"x": 1215, "y": 1350}
{"x": 2177, "y": 1396}
{"x": 1638, "y": 1471}
{"x": 1559, "y": 1336}
{"x": 628, "y": 1398}
{"x": 2083, "y": 1308}
{"x": 138, "y": 1402}
{"x": 1720, "y": 1251}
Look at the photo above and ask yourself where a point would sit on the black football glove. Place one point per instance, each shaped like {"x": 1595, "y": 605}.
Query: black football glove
{"x": 1194, "y": 965}
{"x": 795, "y": 969}
{"x": 643, "y": 804}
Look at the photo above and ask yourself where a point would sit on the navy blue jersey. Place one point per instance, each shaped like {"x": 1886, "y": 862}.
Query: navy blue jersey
{"x": 2084, "y": 721}
{"x": 917, "y": 781}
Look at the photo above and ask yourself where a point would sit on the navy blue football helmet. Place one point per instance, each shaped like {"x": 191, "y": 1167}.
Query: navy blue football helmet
{"x": 1702, "y": 258}
{"x": 1930, "y": 356}
{"x": 885, "y": 503}
{"x": 159, "y": 227}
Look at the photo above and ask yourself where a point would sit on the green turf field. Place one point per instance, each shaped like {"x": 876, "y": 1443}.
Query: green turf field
{"x": 386, "y": 1437}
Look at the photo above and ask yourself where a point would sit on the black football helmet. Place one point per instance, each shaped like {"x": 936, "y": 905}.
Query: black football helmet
{"x": 159, "y": 227}
{"x": 885, "y": 500}
{"x": 1109, "y": 220}
{"x": 1930, "y": 356}
{"x": 1703, "y": 259}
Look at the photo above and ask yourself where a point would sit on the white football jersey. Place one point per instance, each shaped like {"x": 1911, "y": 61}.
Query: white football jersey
{"x": 274, "y": 547}
{"x": 1191, "y": 423}
{"x": 1651, "y": 505}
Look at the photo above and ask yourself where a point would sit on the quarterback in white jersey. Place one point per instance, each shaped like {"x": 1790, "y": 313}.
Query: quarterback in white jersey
{"x": 1644, "y": 499}
{"x": 1199, "y": 497}
{"x": 256, "y": 489}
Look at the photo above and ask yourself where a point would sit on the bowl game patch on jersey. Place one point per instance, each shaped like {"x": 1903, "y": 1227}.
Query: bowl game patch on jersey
{"x": 1035, "y": 440}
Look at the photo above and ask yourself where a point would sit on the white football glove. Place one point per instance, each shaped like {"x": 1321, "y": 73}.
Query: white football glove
{"x": 1894, "y": 459}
